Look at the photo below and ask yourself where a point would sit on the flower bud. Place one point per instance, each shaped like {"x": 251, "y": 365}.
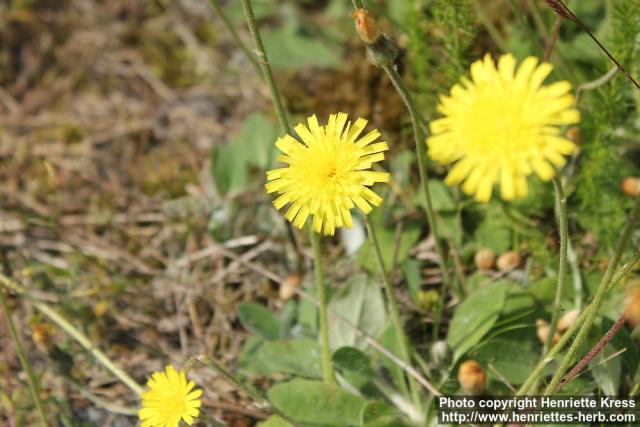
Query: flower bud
{"x": 631, "y": 186}
{"x": 485, "y": 259}
{"x": 568, "y": 319}
{"x": 632, "y": 310}
{"x": 509, "y": 261}
{"x": 542, "y": 329}
{"x": 366, "y": 26}
{"x": 472, "y": 378}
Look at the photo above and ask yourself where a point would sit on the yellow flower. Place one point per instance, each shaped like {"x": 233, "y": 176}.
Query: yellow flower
{"x": 328, "y": 173}
{"x": 169, "y": 399}
{"x": 501, "y": 126}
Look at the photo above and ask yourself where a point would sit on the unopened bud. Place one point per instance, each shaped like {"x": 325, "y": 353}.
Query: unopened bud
{"x": 559, "y": 8}
{"x": 568, "y": 320}
{"x": 631, "y": 186}
{"x": 484, "y": 259}
{"x": 509, "y": 261}
{"x": 472, "y": 378}
{"x": 542, "y": 329}
{"x": 632, "y": 310}
{"x": 366, "y": 26}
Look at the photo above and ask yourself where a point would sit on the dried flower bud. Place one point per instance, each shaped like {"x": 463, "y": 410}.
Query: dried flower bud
{"x": 485, "y": 259}
{"x": 509, "y": 261}
{"x": 472, "y": 378}
{"x": 568, "y": 319}
{"x": 542, "y": 329}
{"x": 632, "y": 310}
{"x": 366, "y": 26}
{"x": 631, "y": 186}
{"x": 289, "y": 286}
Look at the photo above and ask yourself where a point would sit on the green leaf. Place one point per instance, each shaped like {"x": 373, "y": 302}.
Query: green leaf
{"x": 352, "y": 359}
{"x": 360, "y": 301}
{"x": 379, "y": 414}
{"x": 252, "y": 148}
{"x": 607, "y": 374}
{"x": 494, "y": 232}
{"x": 297, "y": 357}
{"x": 475, "y": 317}
{"x": 317, "y": 403}
{"x": 291, "y": 48}
{"x": 259, "y": 320}
{"x": 440, "y": 196}
{"x": 274, "y": 421}
{"x": 513, "y": 359}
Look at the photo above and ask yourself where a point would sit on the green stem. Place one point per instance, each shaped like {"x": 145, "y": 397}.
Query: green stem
{"x": 234, "y": 34}
{"x": 403, "y": 342}
{"x": 74, "y": 333}
{"x": 327, "y": 365}
{"x": 267, "y": 74}
{"x": 421, "y": 153}
{"x": 31, "y": 378}
{"x": 597, "y": 300}
{"x": 537, "y": 371}
{"x": 563, "y": 225}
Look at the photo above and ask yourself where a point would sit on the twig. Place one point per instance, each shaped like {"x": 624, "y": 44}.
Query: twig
{"x": 592, "y": 353}
{"x": 563, "y": 10}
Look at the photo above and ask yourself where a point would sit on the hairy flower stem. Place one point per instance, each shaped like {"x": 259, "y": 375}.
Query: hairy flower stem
{"x": 537, "y": 371}
{"x": 234, "y": 34}
{"x": 592, "y": 311}
{"x": 563, "y": 226}
{"x": 63, "y": 323}
{"x": 31, "y": 378}
{"x": 357, "y": 4}
{"x": 327, "y": 366}
{"x": 281, "y": 112}
{"x": 421, "y": 153}
{"x": 403, "y": 342}
{"x": 267, "y": 74}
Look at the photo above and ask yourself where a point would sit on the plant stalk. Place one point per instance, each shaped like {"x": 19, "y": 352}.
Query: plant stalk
{"x": 234, "y": 34}
{"x": 403, "y": 342}
{"x": 421, "y": 153}
{"x": 563, "y": 225}
{"x": 267, "y": 74}
{"x": 327, "y": 365}
{"x": 31, "y": 378}
{"x": 597, "y": 300}
{"x": 74, "y": 333}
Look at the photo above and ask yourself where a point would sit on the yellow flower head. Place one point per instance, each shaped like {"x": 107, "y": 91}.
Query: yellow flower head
{"x": 328, "y": 172}
{"x": 169, "y": 399}
{"x": 501, "y": 126}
